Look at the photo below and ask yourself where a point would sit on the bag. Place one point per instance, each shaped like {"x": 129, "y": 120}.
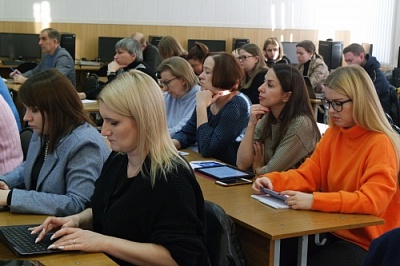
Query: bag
{"x": 91, "y": 82}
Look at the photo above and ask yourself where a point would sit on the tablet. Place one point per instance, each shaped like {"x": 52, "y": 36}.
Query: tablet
{"x": 224, "y": 172}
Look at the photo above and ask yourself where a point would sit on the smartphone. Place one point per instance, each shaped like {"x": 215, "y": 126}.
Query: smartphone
{"x": 273, "y": 193}
{"x": 233, "y": 182}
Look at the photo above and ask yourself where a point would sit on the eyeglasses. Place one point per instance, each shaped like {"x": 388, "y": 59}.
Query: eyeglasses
{"x": 166, "y": 82}
{"x": 244, "y": 57}
{"x": 336, "y": 105}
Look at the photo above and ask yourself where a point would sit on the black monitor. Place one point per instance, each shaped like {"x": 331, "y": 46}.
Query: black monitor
{"x": 213, "y": 45}
{"x": 20, "y": 46}
{"x": 331, "y": 52}
{"x": 106, "y": 48}
{"x": 289, "y": 49}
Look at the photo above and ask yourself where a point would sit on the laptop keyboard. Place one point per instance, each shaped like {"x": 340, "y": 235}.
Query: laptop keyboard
{"x": 23, "y": 243}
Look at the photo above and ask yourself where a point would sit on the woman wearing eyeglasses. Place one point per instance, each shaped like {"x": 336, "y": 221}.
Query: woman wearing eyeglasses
{"x": 180, "y": 83}
{"x": 354, "y": 169}
{"x": 222, "y": 112}
{"x": 252, "y": 61}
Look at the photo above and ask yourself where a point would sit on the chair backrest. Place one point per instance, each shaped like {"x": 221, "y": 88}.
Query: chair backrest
{"x": 223, "y": 244}
{"x": 367, "y": 47}
{"x": 25, "y": 136}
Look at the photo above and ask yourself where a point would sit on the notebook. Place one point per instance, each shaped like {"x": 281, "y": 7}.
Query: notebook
{"x": 22, "y": 243}
{"x": 270, "y": 201}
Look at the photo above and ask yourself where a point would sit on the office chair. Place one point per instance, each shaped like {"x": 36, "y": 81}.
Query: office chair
{"x": 384, "y": 250}
{"x": 367, "y": 47}
{"x": 25, "y": 136}
{"x": 223, "y": 244}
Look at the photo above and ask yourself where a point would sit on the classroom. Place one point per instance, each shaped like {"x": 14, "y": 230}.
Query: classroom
{"x": 258, "y": 233}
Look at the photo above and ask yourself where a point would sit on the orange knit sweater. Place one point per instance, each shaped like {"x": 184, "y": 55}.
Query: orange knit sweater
{"x": 351, "y": 171}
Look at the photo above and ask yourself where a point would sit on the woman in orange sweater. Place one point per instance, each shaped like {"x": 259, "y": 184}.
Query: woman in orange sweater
{"x": 354, "y": 169}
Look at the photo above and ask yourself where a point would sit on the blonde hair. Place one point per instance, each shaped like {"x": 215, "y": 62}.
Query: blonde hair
{"x": 353, "y": 81}
{"x": 169, "y": 47}
{"x": 135, "y": 94}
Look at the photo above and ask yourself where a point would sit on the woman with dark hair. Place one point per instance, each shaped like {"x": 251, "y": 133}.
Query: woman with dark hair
{"x": 196, "y": 57}
{"x": 222, "y": 112}
{"x": 252, "y": 61}
{"x": 65, "y": 155}
{"x": 311, "y": 64}
{"x": 282, "y": 131}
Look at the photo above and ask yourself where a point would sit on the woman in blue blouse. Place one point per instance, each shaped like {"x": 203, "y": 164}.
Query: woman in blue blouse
{"x": 222, "y": 112}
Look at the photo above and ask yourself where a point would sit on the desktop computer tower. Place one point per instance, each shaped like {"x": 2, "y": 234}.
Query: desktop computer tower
{"x": 68, "y": 42}
{"x": 239, "y": 42}
{"x": 155, "y": 39}
{"x": 332, "y": 53}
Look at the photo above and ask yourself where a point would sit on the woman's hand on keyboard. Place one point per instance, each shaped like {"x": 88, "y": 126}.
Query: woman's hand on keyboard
{"x": 52, "y": 224}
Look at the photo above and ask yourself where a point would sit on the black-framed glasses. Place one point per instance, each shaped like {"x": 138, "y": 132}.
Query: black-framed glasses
{"x": 166, "y": 82}
{"x": 336, "y": 105}
{"x": 244, "y": 57}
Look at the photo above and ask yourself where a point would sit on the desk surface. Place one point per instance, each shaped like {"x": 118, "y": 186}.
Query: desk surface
{"x": 69, "y": 258}
{"x": 269, "y": 224}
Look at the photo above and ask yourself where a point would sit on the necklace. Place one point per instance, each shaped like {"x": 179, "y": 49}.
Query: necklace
{"x": 46, "y": 148}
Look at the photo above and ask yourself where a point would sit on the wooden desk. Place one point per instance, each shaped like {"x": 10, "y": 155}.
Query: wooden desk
{"x": 92, "y": 107}
{"x": 260, "y": 227}
{"x": 68, "y": 258}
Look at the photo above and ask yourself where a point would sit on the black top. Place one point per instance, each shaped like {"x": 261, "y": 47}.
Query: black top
{"x": 252, "y": 91}
{"x": 170, "y": 214}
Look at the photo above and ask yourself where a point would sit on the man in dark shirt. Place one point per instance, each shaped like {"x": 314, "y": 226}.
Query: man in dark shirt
{"x": 151, "y": 55}
{"x": 355, "y": 54}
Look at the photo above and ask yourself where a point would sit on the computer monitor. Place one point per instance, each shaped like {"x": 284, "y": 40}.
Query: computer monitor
{"x": 331, "y": 52}
{"x": 289, "y": 49}
{"x": 213, "y": 45}
{"x": 20, "y": 46}
{"x": 106, "y": 48}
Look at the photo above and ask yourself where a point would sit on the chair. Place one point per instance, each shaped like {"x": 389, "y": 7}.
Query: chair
{"x": 367, "y": 47}
{"x": 223, "y": 244}
{"x": 384, "y": 250}
{"x": 25, "y": 136}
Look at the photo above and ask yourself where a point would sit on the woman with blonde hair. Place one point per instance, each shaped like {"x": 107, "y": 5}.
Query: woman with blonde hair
{"x": 252, "y": 61}
{"x": 181, "y": 85}
{"x": 144, "y": 186}
{"x": 354, "y": 169}
{"x": 169, "y": 47}
{"x": 274, "y": 53}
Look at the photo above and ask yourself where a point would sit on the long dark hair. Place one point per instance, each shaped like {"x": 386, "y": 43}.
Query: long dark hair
{"x": 299, "y": 103}
{"x": 55, "y": 98}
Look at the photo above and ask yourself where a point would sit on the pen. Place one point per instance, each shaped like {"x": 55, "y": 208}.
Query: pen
{"x": 12, "y": 69}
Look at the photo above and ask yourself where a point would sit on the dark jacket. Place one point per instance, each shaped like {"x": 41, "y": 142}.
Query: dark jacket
{"x": 372, "y": 66}
{"x": 151, "y": 56}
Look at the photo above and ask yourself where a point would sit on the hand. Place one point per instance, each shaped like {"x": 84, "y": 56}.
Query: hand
{"x": 82, "y": 95}
{"x": 257, "y": 111}
{"x": 264, "y": 182}
{"x": 4, "y": 186}
{"x": 299, "y": 200}
{"x": 54, "y": 223}
{"x": 258, "y": 159}
{"x": 77, "y": 239}
{"x": 14, "y": 73}
{"x": 114, "y": 66}
{"x": 19, "y": 78}
{"x": 3, "y": 197}
{"x": 205, "y": 98}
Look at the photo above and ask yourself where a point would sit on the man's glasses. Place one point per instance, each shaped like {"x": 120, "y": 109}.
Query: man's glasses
{"x": 166, "y": 82}
{"x": 244, "y": 57}
{"x": 336, "y": 105}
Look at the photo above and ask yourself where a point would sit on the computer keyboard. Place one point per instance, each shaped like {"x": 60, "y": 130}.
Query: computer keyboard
{"x": 12, "y": 62}
{"x": 22, "y": 242}
{"x": 88, "y": 63}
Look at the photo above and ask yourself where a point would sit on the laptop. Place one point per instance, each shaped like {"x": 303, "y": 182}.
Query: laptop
{"x": 19, "y": 239}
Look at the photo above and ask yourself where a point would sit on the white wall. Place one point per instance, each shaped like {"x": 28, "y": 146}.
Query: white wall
{"x": 357, "y": 16}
